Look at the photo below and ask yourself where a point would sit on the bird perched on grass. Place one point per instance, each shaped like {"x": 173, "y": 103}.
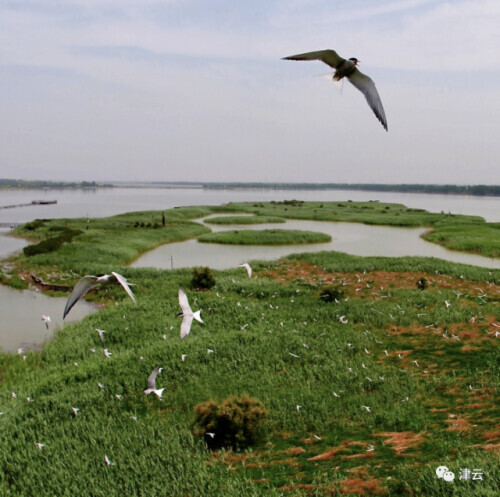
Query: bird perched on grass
{"x": 347, "y": 68}
{"x": 88, "y": 282}
{"x": 187, "y": 314}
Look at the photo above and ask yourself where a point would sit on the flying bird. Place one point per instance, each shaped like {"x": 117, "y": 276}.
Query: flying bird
{"x": 101, "y": 334}
{"x": 46, "y": 320}
{"x": 88, "y": 282}
{"x": 107, "y": 461}
{"x": 152, "y": 383}
{"x": 248, "y": 268}
{"x": 346, "y": 68}
{"x": 187, "y": 314}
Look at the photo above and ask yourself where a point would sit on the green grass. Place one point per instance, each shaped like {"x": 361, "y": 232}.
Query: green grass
{"x": 483, "y": 239}
{"x": 245, "y": 220}
{"x": 360, "y": 212}
{"x": 127, "y": 236}
{"x": 284, "y": 315}
{"x": 273, "y": 339}
{"x": 116, "y": 240}
{"x": 265, "y": 237}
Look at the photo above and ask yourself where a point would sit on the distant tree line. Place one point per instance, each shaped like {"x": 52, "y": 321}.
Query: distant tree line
{"x": 21, "y": 183}
{"x": 483, "y": 190}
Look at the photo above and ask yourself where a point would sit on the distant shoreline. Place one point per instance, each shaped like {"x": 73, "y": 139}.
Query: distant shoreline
{"x": 472, "y": 190}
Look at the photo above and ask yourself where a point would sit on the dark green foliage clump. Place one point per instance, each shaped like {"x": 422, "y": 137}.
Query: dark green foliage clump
{"x": 33, "y": 225}
{"x": 332, "y": 293}
{"x": 203, "y": 278}
{"x": 53, "y": 243}
{"x": 234, "y": 423}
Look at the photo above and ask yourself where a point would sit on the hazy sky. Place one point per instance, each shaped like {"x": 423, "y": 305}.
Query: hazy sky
{"x": 194, "y": 90}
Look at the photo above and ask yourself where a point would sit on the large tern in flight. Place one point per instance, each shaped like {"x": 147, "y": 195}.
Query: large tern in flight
{"x": 346, "y": 68}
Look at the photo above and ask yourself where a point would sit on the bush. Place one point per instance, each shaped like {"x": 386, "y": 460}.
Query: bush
{"x": 234, "y": 423}
{"x": 203, "y": 278}
{"x": 33, "y": 225}
{"x": 53, "y": 243}
{"x": 332, "y": 293}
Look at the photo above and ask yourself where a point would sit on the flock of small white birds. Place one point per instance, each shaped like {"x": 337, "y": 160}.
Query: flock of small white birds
{"x": 82, "y": 287}
{"x": 88, "y": 282}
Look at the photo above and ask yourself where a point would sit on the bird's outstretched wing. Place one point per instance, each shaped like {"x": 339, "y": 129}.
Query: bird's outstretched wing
{"x": 152, "y": 378}
{"x": 183, "y": 302}
{"x": 248, "y": 268}
{"x": 80, "y": 289}
{"x": 187, "y": 319}
{"x": 123, "y": 282}
{"x": 330, "y": 57}
{"x": 366, "y": 85}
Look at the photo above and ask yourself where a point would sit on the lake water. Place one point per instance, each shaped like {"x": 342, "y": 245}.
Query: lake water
{"x": 352, "y": 238}
{"x": 21, "y": 311}
{"x": 22, "y": 324}
{"x": 108, "y": 202}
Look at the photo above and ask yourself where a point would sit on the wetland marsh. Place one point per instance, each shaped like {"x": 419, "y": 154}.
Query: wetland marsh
{"x": 425, "y": 362}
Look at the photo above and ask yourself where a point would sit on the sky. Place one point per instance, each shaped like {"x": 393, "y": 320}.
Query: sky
{"x": 195, "y": 90}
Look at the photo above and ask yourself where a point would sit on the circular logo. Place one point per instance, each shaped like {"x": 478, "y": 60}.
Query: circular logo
{"x": 449, "y": 476}
{"x": 441, "y": 471}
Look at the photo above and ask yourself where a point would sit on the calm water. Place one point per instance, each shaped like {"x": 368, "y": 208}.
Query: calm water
{"x": 108, "y": 202}
{"x": 22, "y": 326}
{"x": 352, "y": 238}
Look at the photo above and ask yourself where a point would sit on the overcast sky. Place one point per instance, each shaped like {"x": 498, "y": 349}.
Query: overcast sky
{"x": 194, "y": 90}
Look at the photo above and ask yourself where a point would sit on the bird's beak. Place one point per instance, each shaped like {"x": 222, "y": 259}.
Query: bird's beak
{"x": 357, "y": 62}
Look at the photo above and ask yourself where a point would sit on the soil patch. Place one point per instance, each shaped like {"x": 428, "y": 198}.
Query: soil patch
{"x": 401, "y": 441}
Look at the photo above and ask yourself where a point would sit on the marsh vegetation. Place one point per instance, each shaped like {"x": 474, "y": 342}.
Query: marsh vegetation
{"x": 265, "y": 237}
{"x": 425, "y": 362}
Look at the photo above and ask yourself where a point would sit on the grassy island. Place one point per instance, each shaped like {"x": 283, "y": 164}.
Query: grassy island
{"x": 245, "y": 220}
{"x": 365, "y": 395}
{"x": 265, "y": 237}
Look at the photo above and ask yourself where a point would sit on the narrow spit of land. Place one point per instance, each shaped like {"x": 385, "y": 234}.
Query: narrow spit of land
{"x": 397, "y": 375}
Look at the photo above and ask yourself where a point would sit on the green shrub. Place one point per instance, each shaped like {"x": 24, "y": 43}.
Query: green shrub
{"x": 235, "y": 423}
{"x": 51, "y": 244}
{"x": 203, "y": 278}
{"x": 332, "y": 293}
{"x": 33, "y": 225}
